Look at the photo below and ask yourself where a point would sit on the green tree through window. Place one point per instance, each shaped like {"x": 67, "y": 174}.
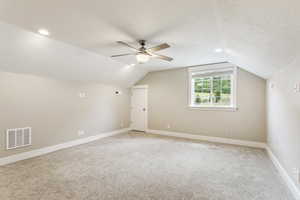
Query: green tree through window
{"x": 213, "y": 90}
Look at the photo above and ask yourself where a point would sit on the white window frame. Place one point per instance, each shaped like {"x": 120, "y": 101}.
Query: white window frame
{"x": 214, "y": 68}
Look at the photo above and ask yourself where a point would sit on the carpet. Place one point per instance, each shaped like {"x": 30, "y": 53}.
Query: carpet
{"x": 136, "y": 166}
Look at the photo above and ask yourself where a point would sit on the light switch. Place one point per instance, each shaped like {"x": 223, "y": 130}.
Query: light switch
{"x": 297, "y": 87}
{"x": 82, "y": 95}
{"x": 297, "y": 174}
{"x": 81, "y": 132}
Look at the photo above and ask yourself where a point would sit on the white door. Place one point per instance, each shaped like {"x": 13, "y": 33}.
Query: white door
{"x": 139, "y": 108}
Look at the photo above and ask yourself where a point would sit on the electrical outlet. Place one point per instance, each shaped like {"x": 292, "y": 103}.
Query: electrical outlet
{"x": 229, "y": 132}
{"x": 81, "y": 132}
{"x": 168, "y": 126}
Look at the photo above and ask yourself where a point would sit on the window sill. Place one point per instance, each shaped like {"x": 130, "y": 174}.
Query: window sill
{"x": 214, "y": 108}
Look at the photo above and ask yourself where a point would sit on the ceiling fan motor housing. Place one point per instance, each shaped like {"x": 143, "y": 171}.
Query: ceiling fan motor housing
{"x": 142, "y": 42}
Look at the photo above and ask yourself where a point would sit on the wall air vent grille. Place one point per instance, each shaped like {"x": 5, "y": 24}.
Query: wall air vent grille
{"x": 18, "y": 137}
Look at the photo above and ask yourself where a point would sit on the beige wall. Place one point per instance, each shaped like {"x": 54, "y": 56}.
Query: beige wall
{"x": 168, "y": 104}
{"x": 54, "y": 110}
{"x": 284, "y": 118}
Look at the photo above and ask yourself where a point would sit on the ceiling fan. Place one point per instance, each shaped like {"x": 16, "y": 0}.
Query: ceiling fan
{"x": 143, "y": 54}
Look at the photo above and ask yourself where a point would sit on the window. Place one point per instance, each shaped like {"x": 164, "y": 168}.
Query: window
{"x": 213, "y": 86}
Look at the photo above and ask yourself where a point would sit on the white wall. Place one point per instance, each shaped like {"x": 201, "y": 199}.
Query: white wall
{"x": 168, "y": 104}
{"x": 284, "y": 117}
{"x": 54, "y": 110}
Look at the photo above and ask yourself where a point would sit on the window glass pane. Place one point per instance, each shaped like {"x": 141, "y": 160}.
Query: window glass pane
{"x": 226, "y": 90}
{"x": 216, "y": 96}
{"x": 202, "y": 90}
{"x": 222, "y": 90}
{"x": 213, "y": 88}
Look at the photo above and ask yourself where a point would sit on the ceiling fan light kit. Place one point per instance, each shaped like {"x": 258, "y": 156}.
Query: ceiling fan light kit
{"x": 144, "y": 54}
{"x": 142, "y": 58}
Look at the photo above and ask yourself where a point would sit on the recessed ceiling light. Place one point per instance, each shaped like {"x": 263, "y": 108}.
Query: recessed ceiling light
{"x": 44, "y": 32}
{"x": 219, "y": 50}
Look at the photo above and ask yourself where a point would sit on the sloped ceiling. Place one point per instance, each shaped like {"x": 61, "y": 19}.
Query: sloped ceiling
{"x": 260, "y": 36}
{"x": 26, "y": 52}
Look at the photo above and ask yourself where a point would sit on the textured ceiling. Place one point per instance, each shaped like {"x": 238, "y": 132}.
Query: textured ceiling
{"x": 260, "y": 36}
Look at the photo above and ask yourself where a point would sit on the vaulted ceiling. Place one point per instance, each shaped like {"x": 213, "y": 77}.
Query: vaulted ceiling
{"x": 260, "y": 36}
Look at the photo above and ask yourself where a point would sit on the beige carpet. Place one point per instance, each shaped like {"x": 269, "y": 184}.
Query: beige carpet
{"x": 143, "y": 167}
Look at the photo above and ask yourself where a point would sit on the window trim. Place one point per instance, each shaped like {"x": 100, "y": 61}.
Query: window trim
{"x": 212, "y": 68}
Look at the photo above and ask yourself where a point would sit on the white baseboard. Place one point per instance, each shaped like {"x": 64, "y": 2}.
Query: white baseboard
{"x": 287, "y": 179}
{"x": 209, "y": 138}
{"x": 42, "y": 151}
{"x": 282, "y": 172}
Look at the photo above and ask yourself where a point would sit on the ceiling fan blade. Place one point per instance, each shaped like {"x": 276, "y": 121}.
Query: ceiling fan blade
{"x": 125, "y": 54}
{"x": 128, "y": 45}
{"x": 159, "y": 47}
{"x": 161, "y": 57}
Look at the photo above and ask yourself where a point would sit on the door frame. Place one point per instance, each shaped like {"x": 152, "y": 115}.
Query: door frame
{"x": 146, "y": 117}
